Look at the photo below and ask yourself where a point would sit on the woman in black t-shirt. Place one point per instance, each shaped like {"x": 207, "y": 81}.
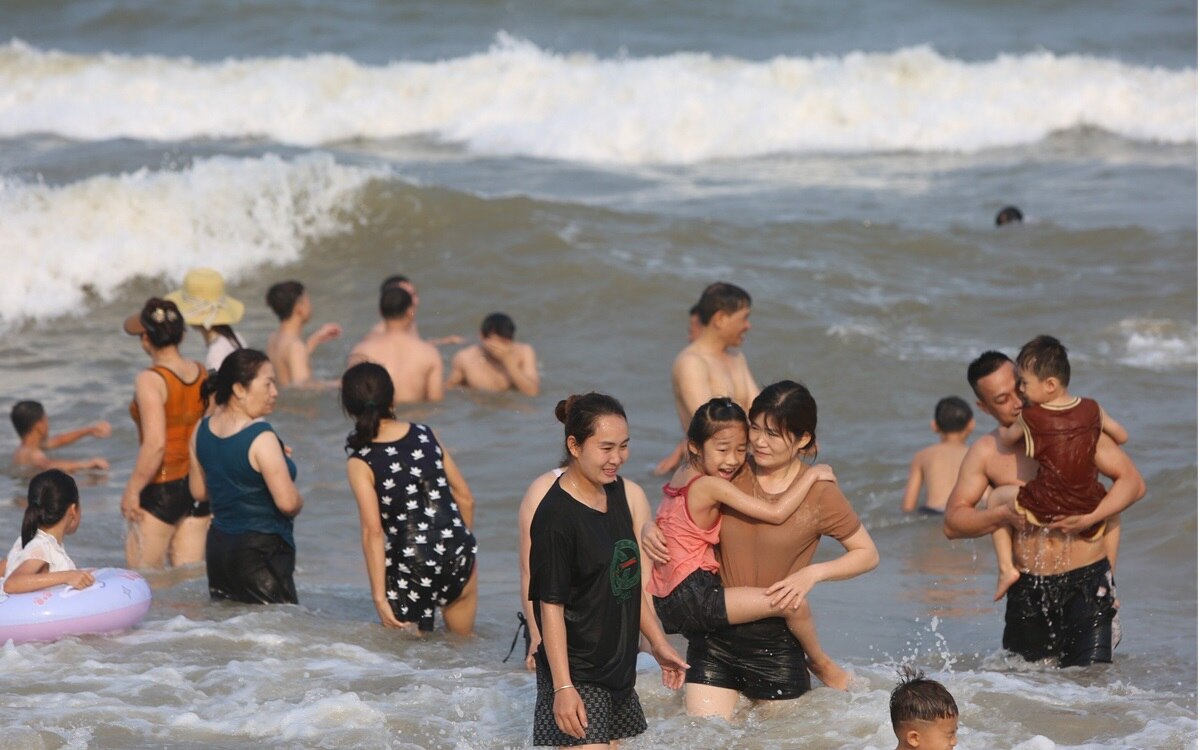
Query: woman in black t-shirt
{"x": 586, "y": 581}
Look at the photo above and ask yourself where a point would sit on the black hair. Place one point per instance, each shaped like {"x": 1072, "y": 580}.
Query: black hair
{"x": 918, "y": 698}
{"x": 226, "y": 332}
{"x": 51, "y": 493}
{"x": 1009, "y": 215}
{"x": 788, "y": 406}
{"x": 390, "y": 281}
{"x": 983, "y": 365}
{"x": 239, "y": 368}
{"x": 721, "y": 297}
{"x": 952, "y": 414}
{"x": 367, "y": 393}
{"x": 26, "y": 415}
{"x": 498, "y": 324}
{"x": 579, "y": 415}
{"x": 282, "y": 298}
{"x": 712, "y": 417}
{"x": 394, "y": 302}
{"x": 163, "y": 322}
{"x": 1046, "y": 357}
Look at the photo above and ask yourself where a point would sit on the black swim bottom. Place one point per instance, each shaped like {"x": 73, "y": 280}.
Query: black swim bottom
{"x": 429, "y": 583}
{"x": 1067, "y": 617}
{"x": 251, "y": 567}
{"x": 695, "y": 606}
{"x": 925, "y": 510}
{"x": 171, "y": 502}
{"x": 611, "y": 715}
{"x": 762, "y": 660}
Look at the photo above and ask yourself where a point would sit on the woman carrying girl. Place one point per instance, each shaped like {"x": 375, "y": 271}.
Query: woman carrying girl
{"x": 38, "y": 559}
{"x": 239, "y": 464}
{"x": 586, "y": 579}
{"x": 405, "y": 481}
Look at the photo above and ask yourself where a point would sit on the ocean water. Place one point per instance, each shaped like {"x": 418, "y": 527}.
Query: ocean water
{"x": 588, "y": 169}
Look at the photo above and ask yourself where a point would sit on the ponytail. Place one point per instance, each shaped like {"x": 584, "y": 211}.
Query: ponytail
{"x": 367, "y": 394}
{"x": 51, "y": 494}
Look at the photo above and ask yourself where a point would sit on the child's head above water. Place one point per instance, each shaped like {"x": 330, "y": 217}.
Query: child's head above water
{"x": 924, "y": 714}
{"x": 1045, "y": 371}
{"x": 717, "y": 438}
{"x": 26, "y": 415}
{"x": 53, "y": 496}
{"x": 952, "y": 415}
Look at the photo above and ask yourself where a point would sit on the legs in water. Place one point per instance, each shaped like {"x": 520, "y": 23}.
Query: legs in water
{"x": 746, "y": 604}
{"x": 1002, "y": 542}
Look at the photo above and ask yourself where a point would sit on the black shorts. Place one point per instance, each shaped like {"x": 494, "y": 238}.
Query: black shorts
{"x": 696, "y": 605}
{"x": 251, "y": 567}
{"x": 762, "y": 660}
{"x": 611, "y": 715}
{"x": 1067, "y": 617}
{"x": 171, "y": 502}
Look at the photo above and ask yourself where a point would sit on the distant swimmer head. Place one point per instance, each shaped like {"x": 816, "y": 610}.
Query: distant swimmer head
{"x": 498, "y": 324}
{"x": 952, "y": 415}
{"x": 395, "y": 302}
{"x": 1009, "y": 215}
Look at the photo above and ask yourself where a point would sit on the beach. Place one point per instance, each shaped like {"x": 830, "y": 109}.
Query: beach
{"x": 588, "y": 172}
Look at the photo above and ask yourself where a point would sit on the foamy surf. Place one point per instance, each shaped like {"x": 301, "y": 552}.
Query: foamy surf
{"x": 518, "y": 99}
{"x": 57, "y": 244}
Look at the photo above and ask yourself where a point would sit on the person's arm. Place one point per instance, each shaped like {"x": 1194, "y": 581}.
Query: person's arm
{"x": 458, "y": 377}
{"x": 327, "y": 332}
{"x": 529, "y": 503}
{"x": 912, "y": 490}
{"x": 860, "y": 557}
{"x": 674, "y": 668}
{"x": 527, "y": 379}
{"x": 516, "y": 364}
{"x": 196, "y": 484}
{"x": 672, "y": 461}
{"x": 362, "y": 484}
{"x": 458, "y": 487}
{"x": 1128, "y": 487}
{"x": 31, "y": 575}
{"x": 435, "y": 389}
{"x": 964, "y": 519}
{"x": 150, "y": 391}
{"x": 691, "y": 382}
{"x": 1113, "y": 428}
{"x": 297, "y": 354}
{"x": 100, "y": 429}
{"x": 42, "y": 462}
{"x": 709, "y": 489}
{"x": 266, "y": 457}
{"x": 569, "y": 713}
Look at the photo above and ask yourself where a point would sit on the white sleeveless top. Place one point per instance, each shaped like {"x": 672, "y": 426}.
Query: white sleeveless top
{"x": 42, "y": 547}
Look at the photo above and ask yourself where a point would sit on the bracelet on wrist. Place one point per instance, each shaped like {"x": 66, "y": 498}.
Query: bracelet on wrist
{"x": 564, "y": 687}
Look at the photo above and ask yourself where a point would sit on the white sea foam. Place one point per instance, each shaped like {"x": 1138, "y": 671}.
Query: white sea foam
{"x": 1152, "y": 343}
{"x": 56, "y": 243}
{"x": 516, "y": 98}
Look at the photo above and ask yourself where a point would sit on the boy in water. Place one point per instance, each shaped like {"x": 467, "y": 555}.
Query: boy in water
{"x": 496, "y": 363}
{"x": 288, "y": 349}
{"x": 937, "y": 465}
{"x": 33, "y": 427}
{"x": 1061, "y": 432}
{"x": 924, "y": 714}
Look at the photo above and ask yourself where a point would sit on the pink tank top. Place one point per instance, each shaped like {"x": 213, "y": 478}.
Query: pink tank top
{"x": 690, "y": 547}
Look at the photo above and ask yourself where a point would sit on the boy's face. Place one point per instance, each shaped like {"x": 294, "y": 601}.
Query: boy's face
{"x": 1034, "y": 389}
{"x": 932, "y": 735}
{"x": 43, "y": 426}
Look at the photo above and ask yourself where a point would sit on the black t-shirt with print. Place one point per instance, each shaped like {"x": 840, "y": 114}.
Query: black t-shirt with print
{"x": 588, "y": 561}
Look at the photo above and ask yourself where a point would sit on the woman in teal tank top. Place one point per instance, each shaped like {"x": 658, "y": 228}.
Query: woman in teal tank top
{"x": 239, "y": 465}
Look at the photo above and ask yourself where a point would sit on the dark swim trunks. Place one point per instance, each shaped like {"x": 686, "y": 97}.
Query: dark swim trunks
{"x": 925, "y": 510}
{"x": 761, "y": 660}
{"x": 696, "y": 605}
{"x": 1067, "y": 617}
{"x": 171, "y": 502}
{"x": 251, "y": 567}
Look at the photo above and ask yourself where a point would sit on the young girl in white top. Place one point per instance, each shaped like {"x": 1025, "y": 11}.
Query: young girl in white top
{"x": 37, "y": 560}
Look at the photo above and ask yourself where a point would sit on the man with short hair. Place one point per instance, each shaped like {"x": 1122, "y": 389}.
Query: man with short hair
{"x": 407, "y": 285}
{"x": 496, "y": 363}
{"x": 1063, "y": 606}
{"x": 414, "y": 365}
{"x": 287, "y": 348}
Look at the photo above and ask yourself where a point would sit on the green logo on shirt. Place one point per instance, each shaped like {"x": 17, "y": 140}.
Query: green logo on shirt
{"x": 625, "y": 574}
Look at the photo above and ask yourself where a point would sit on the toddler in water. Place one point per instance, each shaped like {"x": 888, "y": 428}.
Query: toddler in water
{"x": 37, "y": 560}
{"x": 33, "y": 427}
{"x": 924, "y": 714}
{"x": 937, "y": 465}
{"x": 688, "y": 595}
{"x": 1061, "y": 432}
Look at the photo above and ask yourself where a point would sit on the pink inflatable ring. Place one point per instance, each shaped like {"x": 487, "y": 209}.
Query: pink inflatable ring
{"x": 118, "y": 600}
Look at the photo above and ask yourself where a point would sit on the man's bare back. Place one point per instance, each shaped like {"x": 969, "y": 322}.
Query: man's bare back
{"x": 284, "y": 349}
{"x": 937, "y": 466}
{"x": 415, "y": 365}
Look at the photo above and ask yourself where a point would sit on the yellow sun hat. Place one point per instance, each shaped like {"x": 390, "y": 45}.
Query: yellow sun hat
{"x": 203, "y": 301}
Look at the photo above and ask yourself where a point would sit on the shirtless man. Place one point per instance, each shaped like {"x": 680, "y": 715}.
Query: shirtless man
{"x": 1062, "y": 606}
{"x": 406, "y": 284}
{"x": 288, "y": 349}
{"x": 496, "y": 363}
{"x": 712, "y": 365}
{"x": 415, "y": 365}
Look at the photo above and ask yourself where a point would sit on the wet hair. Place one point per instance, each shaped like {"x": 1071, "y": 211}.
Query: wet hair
{"x": 1046, "y": 357}
{"x": 918, "y": 698}
{"x": 51, "y": 493}
{"x": 694, "y": 310}
{"x": 985, "y": 364}
{"x": 579, "y": 415}
{"x": 721, "y": 297}
{"x": 163, "y": 322}
{"x": 952, "y": 414}
{"x": 788, "y": 406}
{"x": 226, "y": 332}
{"x": 1009, "y": 215}
{"x": 711, "y": 418}
{"x": 282, "y": 298}
{"x": 239, "y": 368}
{"x": 367, "y": 393}
{"x": 391, "y": 281}
{"x": 498, "y": 324}
{"x": 26, "y": 415}
{"x": 394, "y": 302}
